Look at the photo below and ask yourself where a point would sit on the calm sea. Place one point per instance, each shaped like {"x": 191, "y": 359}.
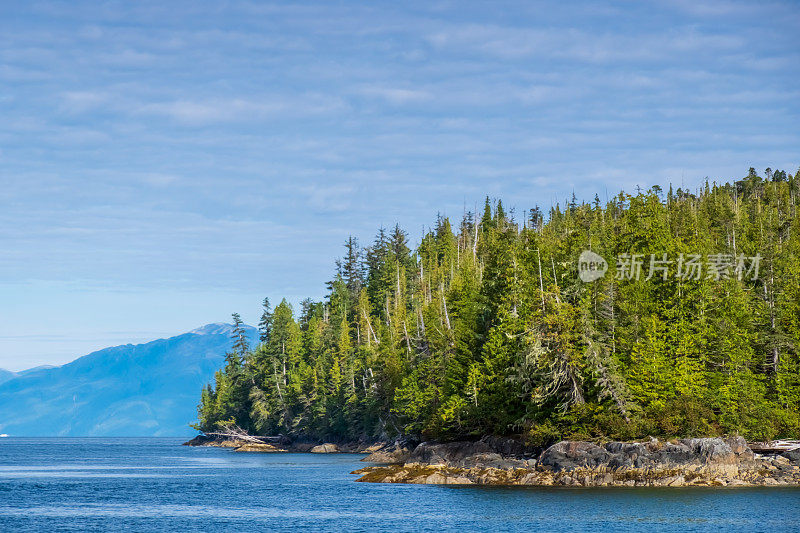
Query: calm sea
{"x": 119, "y": 484}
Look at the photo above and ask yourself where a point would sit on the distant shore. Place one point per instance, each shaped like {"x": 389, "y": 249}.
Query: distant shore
{"x": 710, "y": 462}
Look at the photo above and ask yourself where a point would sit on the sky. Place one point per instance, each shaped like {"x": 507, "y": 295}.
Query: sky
{"x": 164, "y": 164}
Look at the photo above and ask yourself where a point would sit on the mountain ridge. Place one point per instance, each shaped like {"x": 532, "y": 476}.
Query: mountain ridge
{"x": 6, "y": 375}
{"x": 147, "y": 389}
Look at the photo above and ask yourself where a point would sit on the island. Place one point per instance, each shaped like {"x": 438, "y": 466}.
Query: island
{"x": 650, "y": 339}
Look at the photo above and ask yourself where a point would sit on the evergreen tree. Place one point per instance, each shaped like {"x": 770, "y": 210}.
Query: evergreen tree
{"x": 265, "y": 323}
{"x": 485, "y": 328}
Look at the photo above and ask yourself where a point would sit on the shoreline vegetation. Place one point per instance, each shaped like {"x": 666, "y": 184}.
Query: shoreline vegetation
{"x": 687, "y": 326}
{"x": 703, "y": 462}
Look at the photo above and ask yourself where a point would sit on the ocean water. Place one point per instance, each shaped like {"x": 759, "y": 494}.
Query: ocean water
{"x": 125, "y": 484}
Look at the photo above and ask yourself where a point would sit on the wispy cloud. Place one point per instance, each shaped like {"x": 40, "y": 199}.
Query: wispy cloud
{"x": 395, "y": 95}
{"x": 227, "y": 150}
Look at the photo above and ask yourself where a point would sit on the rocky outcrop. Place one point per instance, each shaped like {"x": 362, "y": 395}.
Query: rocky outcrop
{"x": 215, "y": 441}
{"x": 712, "y": 452}
{"x": 260, "y": 448}
{"x": 568, "y": 455}
{"x": 793, "y": 456}
{"x": 325, "y": 448}
{"x": 489, "y": 452}
{"x": 249, "y": 443}
{"x": 501, "y": 461}
{"x": 398, "y": 451}
{"x": 707, "y": 462}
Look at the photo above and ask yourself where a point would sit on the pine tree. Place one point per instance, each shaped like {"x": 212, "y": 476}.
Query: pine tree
{"x": 265, "y": 323}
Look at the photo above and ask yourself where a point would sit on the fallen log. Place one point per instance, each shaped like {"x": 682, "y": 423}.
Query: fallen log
{"x": 256, "y": 439}
{"x": 774, "y": 447}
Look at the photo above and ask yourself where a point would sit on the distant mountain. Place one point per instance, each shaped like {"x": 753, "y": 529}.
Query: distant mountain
{"x": 147, "y": 389}
{"x": 5, "y": 375}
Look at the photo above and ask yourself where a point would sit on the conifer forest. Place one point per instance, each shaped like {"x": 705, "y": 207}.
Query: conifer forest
{"x": 487, "y": 327}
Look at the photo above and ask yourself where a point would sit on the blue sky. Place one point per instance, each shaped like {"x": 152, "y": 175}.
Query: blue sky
{"x": 163, "y": 164}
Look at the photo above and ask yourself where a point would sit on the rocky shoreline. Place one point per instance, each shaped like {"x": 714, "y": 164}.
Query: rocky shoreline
{"x": 246, "y": 443}
{"x": 715, "y": 462}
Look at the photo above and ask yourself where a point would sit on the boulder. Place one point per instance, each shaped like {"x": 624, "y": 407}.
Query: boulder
{"x": 793, "y": 455}
{"x": 467, "y": 454}
{"x": 508, "y": 447}
{"x": 678, "y": 453}
{"x": 628, "y": 455}
{"x": 222, "y": 441}
{"x": 199, "y": 440}
{"x": 491, "y": 460}
{"x": 256, "y": 447}
{"x": 711, "y": 450}
{"x": 737, "y": 444}
{"x": 325, "y": 448}
{"x": 396, "y": 452}
{"x": 434, "y": 453}
{"x": 568, "y": 455}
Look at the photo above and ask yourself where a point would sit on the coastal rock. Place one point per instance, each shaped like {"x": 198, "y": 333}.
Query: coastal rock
{"x": 433, "y": 453}
{"x": 372, "y": 448}
{"x": 398, "y": 451}
{"x": 260, "y": 448}
{"x": 215, "y": 441}
{"x": 567, "y": 455}
{"x": 739, "y": 446}
{"x": 325, "y": 448}
{"x": 706, "y": 462}
{"x": 712, "y": 450}
{"x": 466, "y": 454}
{"x": 199, "y": 440}
{"x": 793, "y": 456}
{"x": 509, "y": 447}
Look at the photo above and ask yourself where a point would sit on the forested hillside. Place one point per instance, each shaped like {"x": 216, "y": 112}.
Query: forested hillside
{"x": 487, "y": 328}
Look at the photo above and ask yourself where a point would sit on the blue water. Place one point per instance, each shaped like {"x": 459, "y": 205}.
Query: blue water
{"x": 102, "y": 484}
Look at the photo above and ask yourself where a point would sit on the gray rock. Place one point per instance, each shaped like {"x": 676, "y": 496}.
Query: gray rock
{"x": 711, "y": 450}
{"x": 396, "y": 452}
{"x": 626, "y": 455}
{"x": 463, "y": 454}
{"x": 627, "y": 448}
{"x": 675, "y": 454}
{"x": 737, "y": 444}
{"x": 325, "y": 448}
{"x": 434, "y": 453}
{"x": 508, "y": 447}
{"x": 490, "y": 460}
{"x": 739, "y": 447}
{"x": 716, "y": 452}
{"x": 568, "y": 455}
{"x": 793, "y": 456}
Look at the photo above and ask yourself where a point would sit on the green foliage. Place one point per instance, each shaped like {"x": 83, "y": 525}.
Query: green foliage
{"x": 486, "y": 328}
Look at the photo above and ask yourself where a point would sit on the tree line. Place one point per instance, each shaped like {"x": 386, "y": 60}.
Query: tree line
{"x": 487, "y": 328}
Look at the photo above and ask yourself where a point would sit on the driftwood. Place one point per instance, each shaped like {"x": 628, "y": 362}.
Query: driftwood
{"x": 775, "y": 447}
{"x": 241, "y": 435}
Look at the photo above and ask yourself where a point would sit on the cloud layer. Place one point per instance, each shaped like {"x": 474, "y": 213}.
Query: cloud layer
{"x": 229, "y": 149}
